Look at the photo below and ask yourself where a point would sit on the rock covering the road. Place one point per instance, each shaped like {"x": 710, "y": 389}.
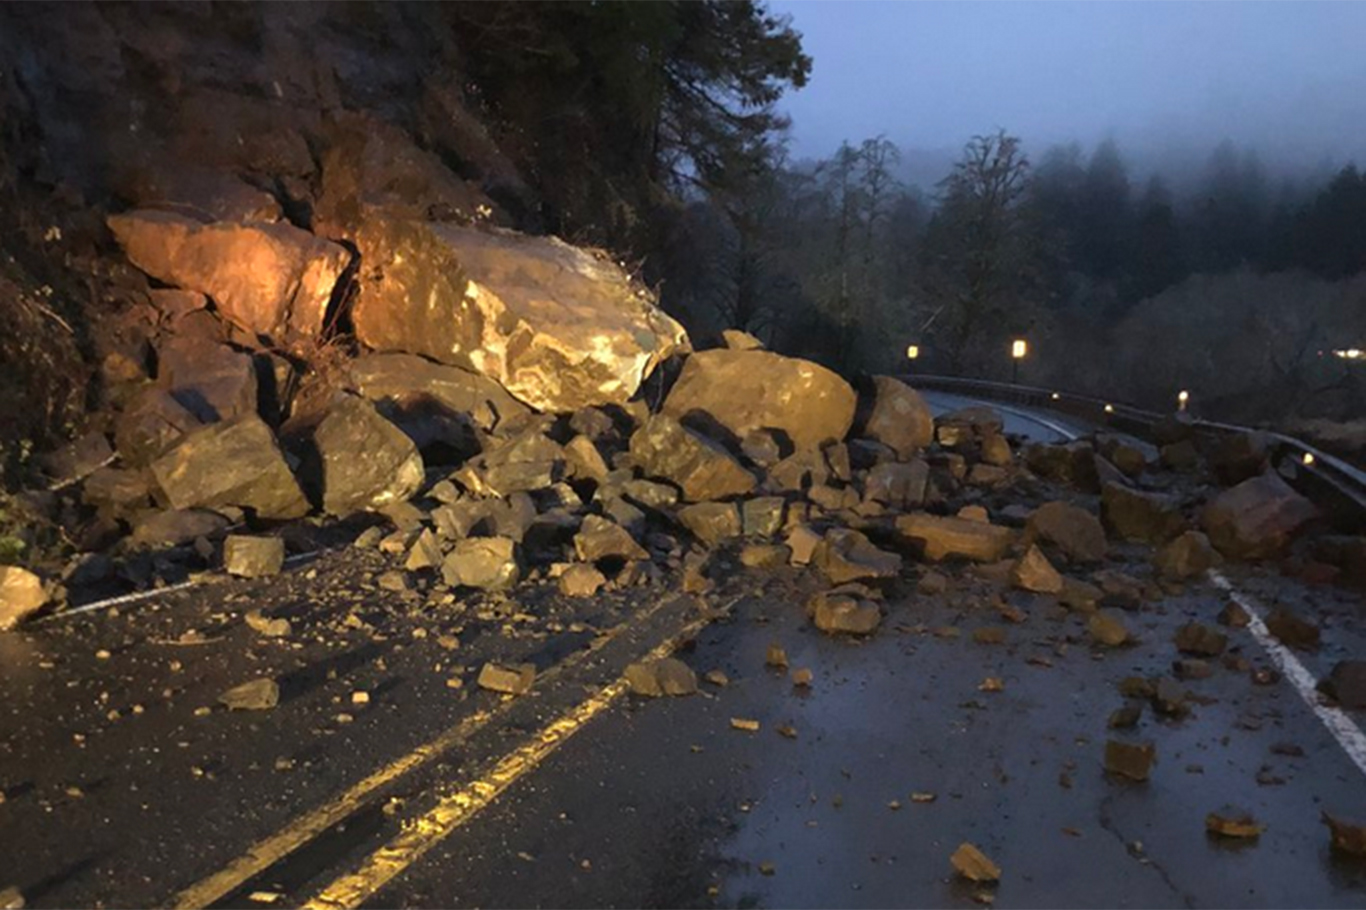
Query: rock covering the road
{"x": 1257, "y": 518}
{"x": 21, "y": 595}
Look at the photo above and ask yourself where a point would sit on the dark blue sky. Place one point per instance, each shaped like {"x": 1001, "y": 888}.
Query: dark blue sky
{"x": 1167, "y": 79}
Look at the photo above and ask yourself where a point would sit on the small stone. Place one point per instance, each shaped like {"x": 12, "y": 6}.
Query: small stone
{"x": 989, "y": 635}
{"x": 764, "y": 556}
{"x": 1035, "y": 573}
{"x": 271, "y": 628}
{"x": 1124, "y": 718}
{"x": 1347, "y": 683}
{"x": 1231, "y": 821}
{"x": 1131, "y": 760}
{"x": 425, "y": 552}
{"x": 253, "y": 557}
{"x": 802, "y": 541}
{"x": 1293, "y": 630}
{"x": 1199, "y": 639}
{"x": 1169, "y": 698}
{"x": 1347, "y": 837}
{"x": 992, "y": 684}
{"x": 1234, "y": 616}
{"x": 489, "y": 563}
{"x": 933, "y": 583}
{"x": 717, "y": 678}
{"x": 776, "y": 657}
{"x": 581, "y": 580}
{"x": 1106, "y": 628}
{"x": 835, "y": 613}
{"x": 802, "y": 677}
{"x": 11, "y": 898}
{"x": 393, "y": 581}
{"x": 767, "y": 869}
{"x": 744, "y": 723}
{"x": 508, "y": 680}
{"x": 668, "y": 676}
{"x": 257, "y": 695}
{"x": 787, "y": 731}
{"x": 974, "y": 865}
{"x": 1192, "y": 668}
{"x": 923, "y": 797}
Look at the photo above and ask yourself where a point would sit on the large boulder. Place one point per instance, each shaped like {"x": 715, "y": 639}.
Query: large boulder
{"x": 559, "y": 328}
{"x": 745, "y": 391}
{"x": 899, "y": 418}
{"x": 270, "y": 279}
{"x": 152, "y": 423}
{"x": 235, "y": 463}
{"x": 1256, "y": 518}
{"x": 941, "y": 537}
{"x": 396, "y": 377}
{"x": 211, "y": 380}
{"x": 1139, "y": 515}
{"x": 355, "y": 460}
{"x": 1070, "y": 528}
{"x": 702, "y": 469}
{"x": 844, "y": 555}
{"x": 1239, "y": 456}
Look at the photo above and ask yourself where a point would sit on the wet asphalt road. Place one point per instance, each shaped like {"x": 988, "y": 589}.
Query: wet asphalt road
{"x": 662, "y": 802}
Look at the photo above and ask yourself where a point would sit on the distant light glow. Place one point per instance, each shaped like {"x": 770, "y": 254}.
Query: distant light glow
{"x": 1350, "y": 353}
{"x": 1019, "y": 348}
{"x": 912, "y": 351}
{"x": 1182, "y": 397}
{"x": 1056, "y": 396}
{"x": 1308, "y": 459}
{"x": 1109, "y": 409}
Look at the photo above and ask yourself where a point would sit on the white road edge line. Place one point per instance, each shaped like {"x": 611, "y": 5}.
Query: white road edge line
{"x": 1343, "y": 728}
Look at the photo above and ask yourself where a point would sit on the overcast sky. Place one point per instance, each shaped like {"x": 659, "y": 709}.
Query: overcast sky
{"x": 1160, "y": 77}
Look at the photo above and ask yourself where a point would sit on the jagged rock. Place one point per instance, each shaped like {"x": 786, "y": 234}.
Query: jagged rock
{"x": 899, "y": 418}
{"x": 1074, "y": 464}
{"x": 1192, "y": 668}
{"x": 655, "y": 678}
{"x": 1346, "y": 837}
{"x": 974, "y": 865}
{"x": 702, "y": 469}
{"x": 762, "y": 516}
{"x": 943, "y": 537}
{"x": 1140, "y": 516}
{"x": 1106, "y": 628}
{"x": 745, "y": 391}
{"x": 425, "y": 553}
{"x": 174, "y": 527}
{"x": 236, "y": 463}
{"x": 584, "y": 460}
{"x": 1129, "y": 459}
{"x": 355, "y": 460}
{"x": 489, "y": 563}
{"x": 529, "y": 461}
{"x": 1231, "y": 821}
{"x": 1079, "y": 595}
{"x": 1070, "y": 528}
{"x": 556, "y": 326}
{"x": 844, "y": 555}
{"x": 1173, "y": 428}
{"x": 1187, "y": 556}
{"x": 257, "y": 695}
{"x": 736, "y": 340}
{"x": 802, "y": 541}
{"x": 765, "y": 556}
{"x": 1257, "y": 518}
{"x": 842, "y": 613}
{"x": 391, "y": 376}
{"x": 599, "y": 538}
{"x": 1035, "y": 573}
{"x": 762, "y": 447}
{"x": 996, "y": 451}
{"x": 211, "y": 380}
{"x": 581, "y": 580}
{"x": 900, "y": 485}
{"x": 1236, "y": 457}
{"x": 799, "y": 471}
{"x": 153, "y": 422}
{"x": 1169, "y": 698}
{"x": 79, "y": 458}
{"x": 21, "y": 595}
{"x": 1180, "y": 456}
{"x": 712, "y": 522}
{"x": 1198, "y": 638}
{"x": 253, "y": 557}
{"x": 833, "y": 499}
{"x": 975, "y": 513}
{"x": 1293, "y": 630}
{"x": 208, "y": 193}
{"x": 985, "y": 475}
{"x": 1234, "y": 616}
{"x": 117, "y": 492}
{"x": 1347, "y": 683}
{"x": 967, "y": 427}
{"x": 268, "y": 279}
{"x": 1131, "y": 760}
{"x": 516, "y": 680}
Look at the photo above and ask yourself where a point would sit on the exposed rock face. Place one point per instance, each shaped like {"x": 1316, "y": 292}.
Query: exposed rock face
{"x": 362, "y": 461}
{"x": 557, "y": 327}
{"x": 270, "y": 279}
{"x": 1072, "y": 529}
{"x": 1257, "y": 518}
{"x": 943, "y": 537}
{"x": 704, "y": 471}
{"x": 745, "y": 391}
{"x": 236, "y": 463}
{"x": 21, "y": 594}
{"x": 1141, "y": 516}
{"x": 397, "y": 376}
{"x": 899, "y": 419}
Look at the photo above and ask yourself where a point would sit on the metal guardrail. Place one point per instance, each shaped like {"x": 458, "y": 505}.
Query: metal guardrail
{"x": 1289, "y": 455}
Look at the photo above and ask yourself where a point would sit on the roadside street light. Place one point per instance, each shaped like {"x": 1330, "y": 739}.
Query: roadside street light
{"x": 1182, "y": 398}
{"x": 1109, "y": 409}
{"x": 912, "y": 351}
{"x": 1350, "y": 354}
{"x": 1018, "y": 349}
{"x": 1308, "y": 459}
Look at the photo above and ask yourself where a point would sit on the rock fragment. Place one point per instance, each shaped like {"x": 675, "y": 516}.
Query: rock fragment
{"x": 1072, "y": 529}
{"x": 1187, "y": 556}
{"x": 899, "y": 418}
{"x": 356, "y": 460}
{"x": 1346, "y": 836}
{"x": 712, "y": 522}
{"x": 845, "y": 555}
{"x": 1347, "y": 683}
{"x": 1033, "y": 572}
{"x": 600, "y": 538}
{"x": 842, "y": 613}
{"x": 701, "y": 468}
{"x": 1106, "y": 628}
{"x": 489, "y": 563}
{"x": 1257, "y": 518}
{"x": 256, "y": 695}
{"x": 21, "y": 595}
{"x": 516, "y": 680}
{"x": 944, "y": 537}
{"x": 974, "y": 865}
{"x": 1199, "y": 639}
{"x": 235, "y": 463}
{"x": 253, "y": 557}
{"x": 581, "y": 580}
{"x": 1231, "y": 821}
{"x": 1140, "y": 516}
{"x": 1292, "y": 629}
{"x": 655, "y": 678}
{"x": 1130, "y": 760}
